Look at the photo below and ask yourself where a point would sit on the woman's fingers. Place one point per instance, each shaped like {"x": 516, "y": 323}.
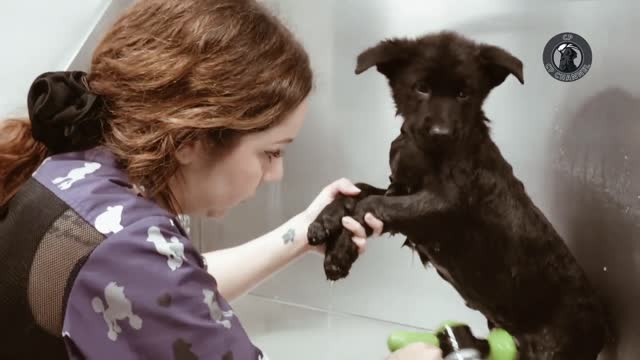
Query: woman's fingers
{"x": 350, "y": 224}
{"x": 361, "y": 243}
{"x": 374, "y": 223}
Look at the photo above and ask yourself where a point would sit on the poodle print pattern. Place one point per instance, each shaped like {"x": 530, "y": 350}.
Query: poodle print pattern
{"x": 216, "y": 313}
{"x": 110, "y": 221}
{"x": 75, "y": 175}
{"x": 173, "y": 250}
{"x": 118, "y": 307}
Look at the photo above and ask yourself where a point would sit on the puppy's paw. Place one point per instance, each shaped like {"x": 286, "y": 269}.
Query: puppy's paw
{"x": 340, "y": 257}
{"x": 319, "y": 231}
{"x": 328, "y": 224}
{"x": 334, "y": 271}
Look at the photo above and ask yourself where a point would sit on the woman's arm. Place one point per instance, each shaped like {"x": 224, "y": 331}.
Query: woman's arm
{"x": 239, "y": 269}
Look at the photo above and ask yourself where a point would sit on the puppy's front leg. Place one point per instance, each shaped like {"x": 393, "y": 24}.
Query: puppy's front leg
{"x": 327, "y": 229}
{"x": 328, "y": 224}
{"x": 393, "y": 211}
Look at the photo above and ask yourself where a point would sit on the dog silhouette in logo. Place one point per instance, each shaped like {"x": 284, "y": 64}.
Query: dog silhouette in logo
{"x": 118, "y": 307}
{"x": 75, "y": 175}
{"x": 173, "y": 250}
{"x": 567, "y": 56}
{"x": 217, "y": 315}
{"x": 110, "y": 220}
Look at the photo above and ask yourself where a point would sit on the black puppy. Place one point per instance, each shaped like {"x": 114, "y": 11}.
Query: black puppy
{"x": 457, "y": 201}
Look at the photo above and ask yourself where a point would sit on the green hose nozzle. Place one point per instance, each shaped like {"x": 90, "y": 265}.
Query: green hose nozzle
{"x": 502, "y": 345}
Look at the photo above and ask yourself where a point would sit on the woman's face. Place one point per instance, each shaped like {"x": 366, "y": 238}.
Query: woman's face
{"x": 211, "y": 185}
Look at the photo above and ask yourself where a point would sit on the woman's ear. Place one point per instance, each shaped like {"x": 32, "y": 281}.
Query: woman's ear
{"x": 187, "y": 152}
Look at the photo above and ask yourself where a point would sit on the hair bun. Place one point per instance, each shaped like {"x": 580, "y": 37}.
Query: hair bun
{"x": 65, "y": 115}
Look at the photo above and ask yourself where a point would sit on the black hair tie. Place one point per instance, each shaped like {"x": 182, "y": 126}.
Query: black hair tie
{"x": 65, "y": 115}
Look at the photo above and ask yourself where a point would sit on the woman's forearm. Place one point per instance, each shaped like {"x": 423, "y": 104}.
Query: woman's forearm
{"x": 239, "y": 269}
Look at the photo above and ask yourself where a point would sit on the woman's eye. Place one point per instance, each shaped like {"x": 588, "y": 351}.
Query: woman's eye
{"x": 273, "y": 154}
{"x": 462, "y": 95}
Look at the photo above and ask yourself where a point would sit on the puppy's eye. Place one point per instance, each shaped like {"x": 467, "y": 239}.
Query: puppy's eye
{"x": 462, "y": 95}
{"x": 423, "y": 88}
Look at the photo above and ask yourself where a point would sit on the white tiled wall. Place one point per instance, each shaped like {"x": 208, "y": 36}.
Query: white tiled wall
{"x": 38, "y": 36}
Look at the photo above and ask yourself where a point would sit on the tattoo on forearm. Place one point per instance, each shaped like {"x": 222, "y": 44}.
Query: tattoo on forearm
{"x": 288, "y": 237}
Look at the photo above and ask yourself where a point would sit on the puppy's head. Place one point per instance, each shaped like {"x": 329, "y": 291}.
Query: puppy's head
{"x": 439, "y": 82}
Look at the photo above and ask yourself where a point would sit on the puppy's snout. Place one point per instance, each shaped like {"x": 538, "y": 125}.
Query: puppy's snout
{"x": 440, "y": 130}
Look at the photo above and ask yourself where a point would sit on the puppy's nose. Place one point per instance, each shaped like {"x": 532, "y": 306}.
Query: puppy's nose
{"x": 439, "y": 130}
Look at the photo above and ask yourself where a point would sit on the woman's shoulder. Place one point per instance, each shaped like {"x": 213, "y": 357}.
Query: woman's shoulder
{"x": 98, "y": 190}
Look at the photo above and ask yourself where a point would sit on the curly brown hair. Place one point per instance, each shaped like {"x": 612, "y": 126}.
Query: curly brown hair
{"x": 175, "y": 71}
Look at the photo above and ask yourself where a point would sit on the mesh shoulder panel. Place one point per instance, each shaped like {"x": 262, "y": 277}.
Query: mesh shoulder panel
{"x": 42, "y": 245}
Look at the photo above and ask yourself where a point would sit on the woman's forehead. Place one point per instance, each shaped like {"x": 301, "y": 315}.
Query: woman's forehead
{"x": 287, "y": 129}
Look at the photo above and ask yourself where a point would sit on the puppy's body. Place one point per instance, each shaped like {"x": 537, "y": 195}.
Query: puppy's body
{"x": 504, "y": 257}
{"x": 460, "y": 206}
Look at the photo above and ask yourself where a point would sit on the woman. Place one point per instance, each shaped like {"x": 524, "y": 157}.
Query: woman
{"x": 187, "y": 109}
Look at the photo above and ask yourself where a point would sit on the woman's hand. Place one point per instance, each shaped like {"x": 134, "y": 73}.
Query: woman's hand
{"x": 417, "y": 351}
{"x": 326, "y": 196}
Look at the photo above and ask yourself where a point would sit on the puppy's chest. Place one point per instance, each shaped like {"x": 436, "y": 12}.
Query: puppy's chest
{"x": 458, "y": 175}
{"x": 438, "y": 235}
{"x": 452, "y": 243}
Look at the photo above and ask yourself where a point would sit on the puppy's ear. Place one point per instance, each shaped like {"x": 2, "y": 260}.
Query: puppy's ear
{"x": 498, "y": 64}
{"x": 387, "y": 56}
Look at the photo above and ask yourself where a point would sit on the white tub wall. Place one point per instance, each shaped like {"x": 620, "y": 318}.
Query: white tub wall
{"x": 40, "y": 35}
